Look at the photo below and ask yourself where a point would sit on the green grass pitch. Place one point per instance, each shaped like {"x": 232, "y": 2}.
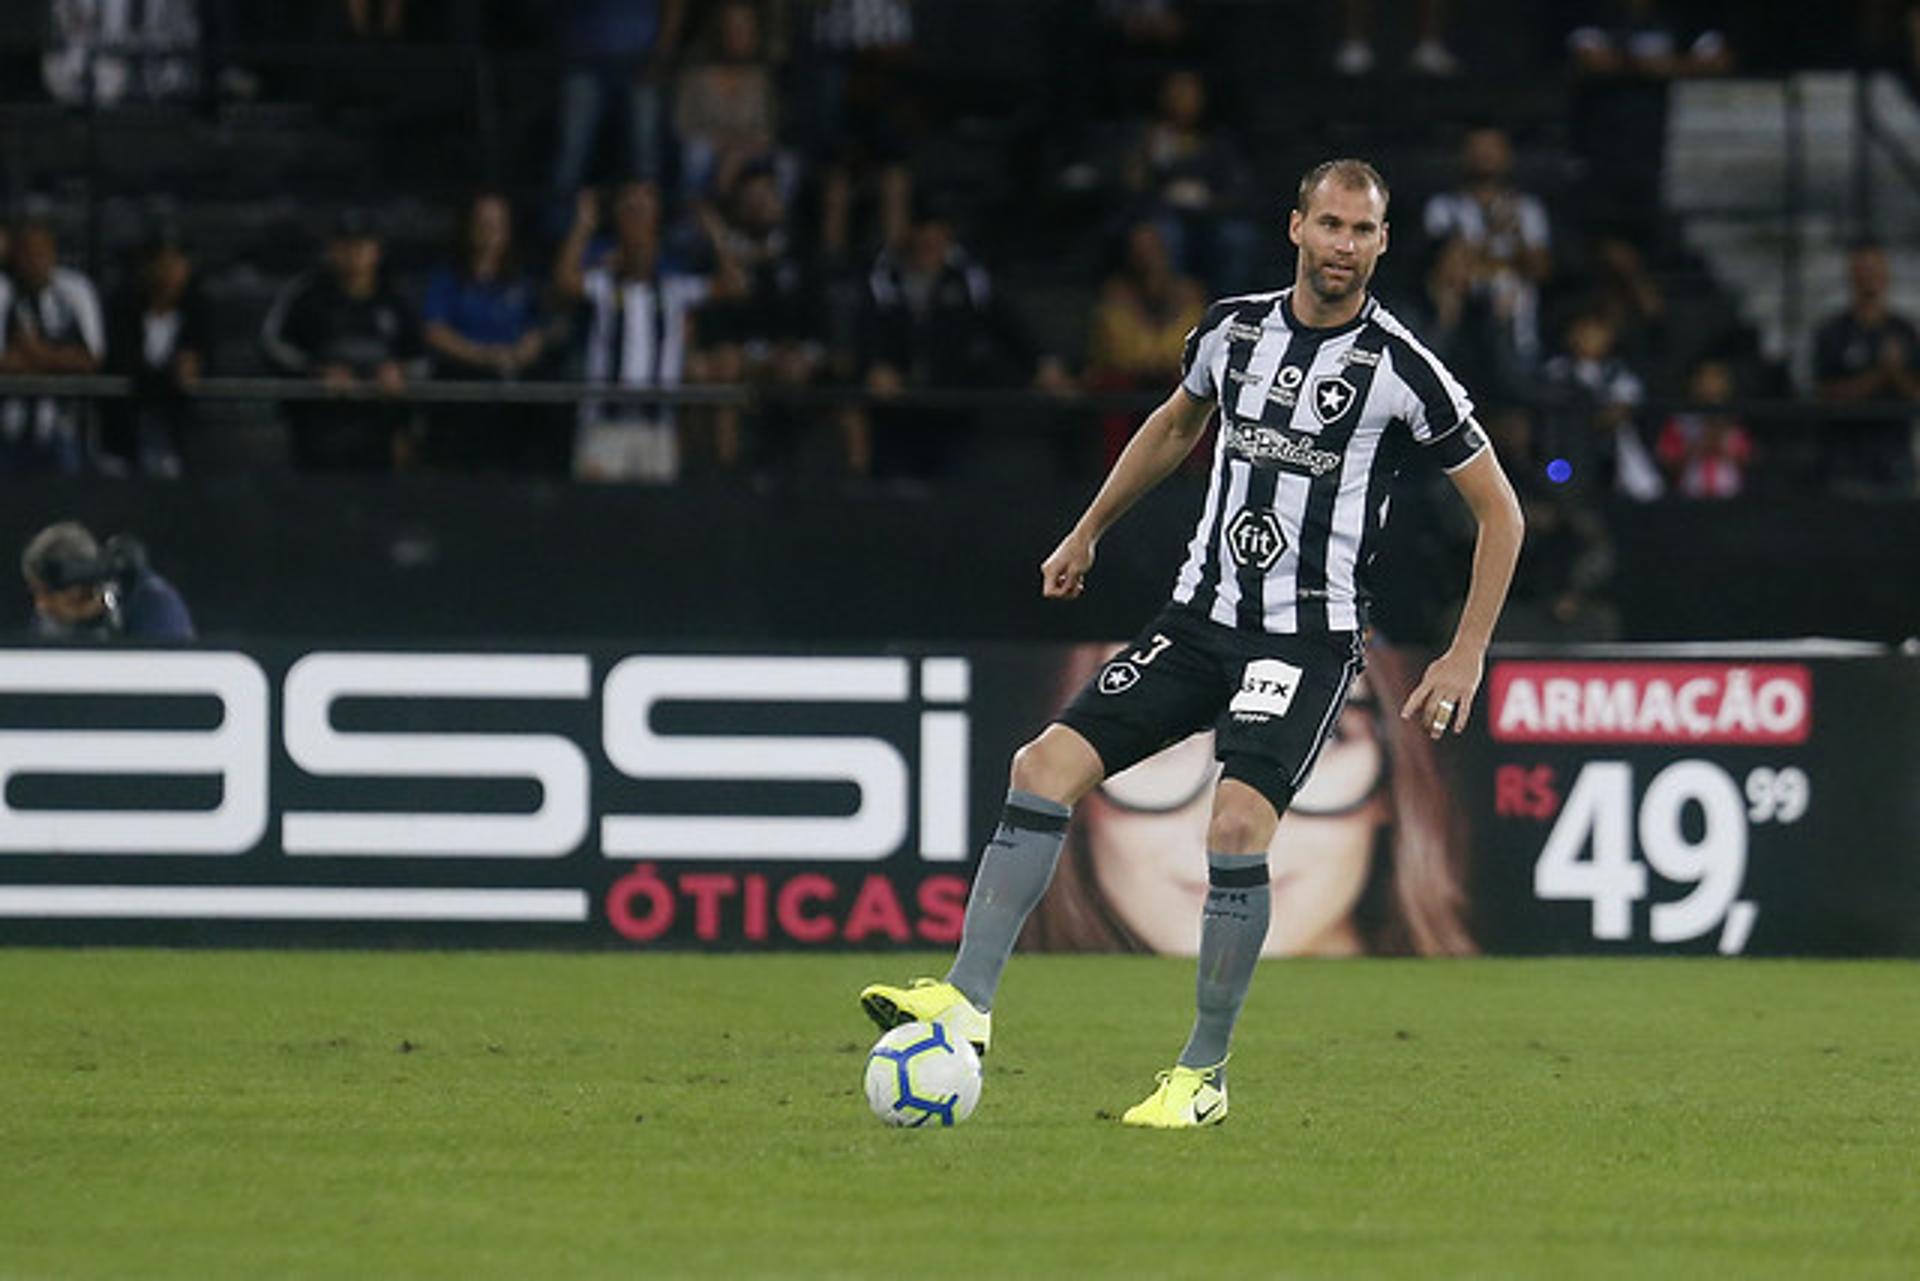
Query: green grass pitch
{"x": 454, "y": 1115}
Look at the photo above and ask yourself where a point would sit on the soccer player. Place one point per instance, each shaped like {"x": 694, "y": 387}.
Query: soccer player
{"x": 1323, "y": 396}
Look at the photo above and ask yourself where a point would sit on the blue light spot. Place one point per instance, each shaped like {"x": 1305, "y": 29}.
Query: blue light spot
{"x": 1559, "y": 471}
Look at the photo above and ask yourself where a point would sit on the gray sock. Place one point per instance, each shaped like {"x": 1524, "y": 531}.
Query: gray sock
{"x": 1239, "y": 903}
{"x": 1014, "y": 872}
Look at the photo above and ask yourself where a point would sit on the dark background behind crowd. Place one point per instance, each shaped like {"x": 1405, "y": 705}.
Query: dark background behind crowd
{"x": 855, "y": 209}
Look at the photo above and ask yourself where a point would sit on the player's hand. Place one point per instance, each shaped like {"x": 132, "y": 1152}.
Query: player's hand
{"x": 1063, "y": 575}
{"x": 1444, "y": 696}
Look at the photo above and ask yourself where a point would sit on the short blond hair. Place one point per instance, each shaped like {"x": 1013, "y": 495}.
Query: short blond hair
{"x": 1347, "y": 172}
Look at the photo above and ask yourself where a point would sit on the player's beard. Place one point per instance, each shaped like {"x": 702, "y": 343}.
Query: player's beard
{"x": 1331, "y": 291}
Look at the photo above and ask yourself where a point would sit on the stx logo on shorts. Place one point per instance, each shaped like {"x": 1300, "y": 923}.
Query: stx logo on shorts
{"x": 1332, "y": 397}
{"x": 1267, "y": 687}
{"x": 1256, "y": 539}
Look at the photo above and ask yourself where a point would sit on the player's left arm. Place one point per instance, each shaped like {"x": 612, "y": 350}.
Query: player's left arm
{"x": 1445, "y": 694}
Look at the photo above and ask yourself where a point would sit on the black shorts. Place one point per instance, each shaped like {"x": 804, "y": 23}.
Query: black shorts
{"x": 1271, "y": 700}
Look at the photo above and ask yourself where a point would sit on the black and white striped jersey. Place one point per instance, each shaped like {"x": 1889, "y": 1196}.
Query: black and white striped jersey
{"x": 1314, "y": 425}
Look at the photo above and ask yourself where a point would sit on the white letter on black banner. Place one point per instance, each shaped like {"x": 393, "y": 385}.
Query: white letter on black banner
{"x": 555, "y": 829}
{"x": 872, "y": 765}
{"x": 235, "y": 750}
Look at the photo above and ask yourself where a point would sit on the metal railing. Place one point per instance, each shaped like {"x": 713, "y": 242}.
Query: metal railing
{"x": 758, "y": 396}
{"x": 751, "y": 397}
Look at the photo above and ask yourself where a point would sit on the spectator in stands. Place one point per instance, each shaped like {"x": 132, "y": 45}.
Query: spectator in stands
{"x": 1594, "y": 396}
{"x": 1139, "y": 329}
{"x": 1639, "y": 38}
{"x": 1146, "y": 24}
{"x": 865, "y": 114}
{"x": 1120, "y": 51}
{"x": 1869, "y": 354}
{"x": 1469, "y": 326}
{"x": 1622, "y": 288}
{"x": 1506, "y": 229}
{"x": 483, "y": 322}
{"x": 1622, "y": 65}
{"x": 377, "y": 19}
{"x": 103, "y": 53}
{"x": 934, "y": 320}
{"x": 159, "y": 333}
{"x": 53, "y": 328}
{"x": 83, "y": 591}
{"x": 1133, "y": 45}
{"x": 1706, "y": 452}
{"x": 343, "y": 326}
{"x": 1187, "y": 176}
{"x": 725, "y": 111}
{"x": 616, "y": 51}
{"x": 639, "y": 325}
{"x": 1429, "y": 55}
{"x": 763, "y": 325}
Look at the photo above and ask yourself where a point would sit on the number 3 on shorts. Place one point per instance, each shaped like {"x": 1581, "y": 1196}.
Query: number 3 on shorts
{"x": 1161, "y": 641}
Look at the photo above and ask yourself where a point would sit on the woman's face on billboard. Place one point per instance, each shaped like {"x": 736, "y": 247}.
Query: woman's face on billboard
{"x": 1146, "y": 833}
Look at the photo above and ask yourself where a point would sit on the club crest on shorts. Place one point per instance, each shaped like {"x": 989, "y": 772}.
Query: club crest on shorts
{"x": 1331, "y": 396}
{"x": 1117, "y": 677}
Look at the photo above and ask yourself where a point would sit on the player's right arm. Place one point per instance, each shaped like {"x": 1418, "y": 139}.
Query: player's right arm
{"x": 1166, "y": 438}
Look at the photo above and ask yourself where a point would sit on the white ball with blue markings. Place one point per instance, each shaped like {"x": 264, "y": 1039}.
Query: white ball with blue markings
{"x": 922, "y": 1074}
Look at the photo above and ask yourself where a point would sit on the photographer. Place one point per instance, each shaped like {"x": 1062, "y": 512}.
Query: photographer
{"x": 84, "y": 591}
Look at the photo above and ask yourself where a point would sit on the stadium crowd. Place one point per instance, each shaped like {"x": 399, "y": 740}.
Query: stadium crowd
{"x": 748, "y": 192}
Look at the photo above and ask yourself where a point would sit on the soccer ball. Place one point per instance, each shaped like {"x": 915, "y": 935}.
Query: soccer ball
{"x": 920, "y": 1073}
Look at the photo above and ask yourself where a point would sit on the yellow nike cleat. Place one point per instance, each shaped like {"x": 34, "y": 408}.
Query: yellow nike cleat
{"x": 928, "y": 1001}
{"x": 1186, "y": 1099}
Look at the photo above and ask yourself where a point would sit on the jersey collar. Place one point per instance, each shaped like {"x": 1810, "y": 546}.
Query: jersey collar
{"x": 1299, "y": 326}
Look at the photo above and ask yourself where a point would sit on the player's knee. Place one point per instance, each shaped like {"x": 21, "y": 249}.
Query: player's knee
{"x": 1032, "y": 770}
{"x": 1055, "y": 767}
{"x": 1243, "y": 821}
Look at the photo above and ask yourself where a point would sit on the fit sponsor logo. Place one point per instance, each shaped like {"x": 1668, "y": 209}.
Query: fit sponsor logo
{"x": 1258, "y": 443}
{"x": 1744, "y": 703}
{"x": 1239, "y": 332}
{"x": 1359, "y": 356}
{"x": 1256, "y": 539}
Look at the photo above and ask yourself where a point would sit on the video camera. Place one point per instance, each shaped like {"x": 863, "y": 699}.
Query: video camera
{"x": 119, "y": 560}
